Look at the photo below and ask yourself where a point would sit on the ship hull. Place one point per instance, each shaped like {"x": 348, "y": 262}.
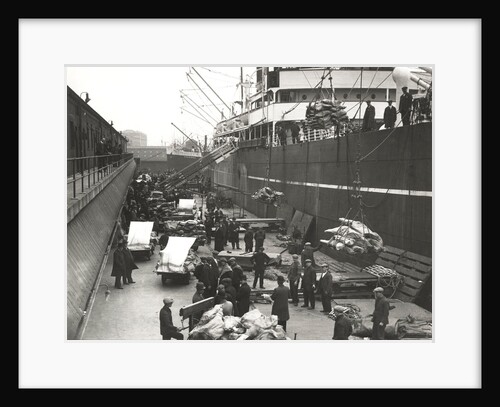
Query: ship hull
{"x": 317, "y": 177}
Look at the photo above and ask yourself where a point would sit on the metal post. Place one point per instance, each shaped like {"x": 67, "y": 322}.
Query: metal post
{"x": 74, "y": 180}
{"x": 93, "y": 168}
{"x": 88, "y": 170}
{"x": 82, "y": 174}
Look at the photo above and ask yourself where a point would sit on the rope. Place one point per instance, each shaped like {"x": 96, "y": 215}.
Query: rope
{"x": 298, "y": 103}
{"x": 385, "y": 139}
{"x": 362, "y": 100}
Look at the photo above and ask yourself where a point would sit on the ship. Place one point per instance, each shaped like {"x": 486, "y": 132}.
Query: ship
{"x": 332, "y": 172}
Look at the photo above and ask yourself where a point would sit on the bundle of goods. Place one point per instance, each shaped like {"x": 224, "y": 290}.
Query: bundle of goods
{"x": 324, "y": 114}
{"x": 351, "y": 311}
{"x": 407, "y": 328}
{"x": 354, "y": 237}
{"x": 253, "y": 325}
{"x": 411, "y": 327}
{"x": 190, "y": 228}
{"x": 284, "y": 238}
{"x": 386, "y": 277}
{"x": 268, "y": 196}
{"x": 192, "y": 260}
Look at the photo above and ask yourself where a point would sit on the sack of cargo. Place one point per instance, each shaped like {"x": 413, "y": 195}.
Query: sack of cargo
{"x": 210, "y": 314}
{"x": 214, "y": 328}
{"x": 248, "y": 319}
{"x": 231, "y": 323}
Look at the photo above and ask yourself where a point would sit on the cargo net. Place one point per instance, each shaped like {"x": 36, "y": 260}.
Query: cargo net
{"x": 387, "y": 278}
{"x": 354, "y": 237}
{"x": 268, "y": 196}
{"x": 324, "y": 114}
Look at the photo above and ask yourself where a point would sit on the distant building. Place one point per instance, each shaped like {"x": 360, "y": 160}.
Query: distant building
{"x": 136, "y": 138}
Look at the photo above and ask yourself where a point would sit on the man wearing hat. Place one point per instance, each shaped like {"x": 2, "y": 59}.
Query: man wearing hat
{"x": 343, "y": 328}
{"x": 369, "y": 117}
{"x": 167, "y": 328}
{"x": 293, "y": 277}
{"x": 325, "y": 288}
{"x": 308, "y": 253}
{"x": 259, "y": 261}
{"x": 280, "y": 302}
{"x": 380, "y": 316}
{"x": 225, "y": 271}
{"x": 309, "y": 285}
{"x": 237, "y": 273}
{"x": 390, "y": 115}
{"x": 119, "y": 265}
{"x": 405, "y": 104}
{"x": 243, "y": 297}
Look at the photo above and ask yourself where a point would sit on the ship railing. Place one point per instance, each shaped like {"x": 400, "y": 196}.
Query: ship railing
{"x": 84, "y": 172}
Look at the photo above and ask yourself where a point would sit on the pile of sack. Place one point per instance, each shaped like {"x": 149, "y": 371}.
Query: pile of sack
{"x": 189, "y": 228}
{"x": 253, "y": 325}
{"x": 354, "y": 237}
{"x": 268, "y": 196}
{"x": 408, "y": 327}
{"x": 324, "y": 114}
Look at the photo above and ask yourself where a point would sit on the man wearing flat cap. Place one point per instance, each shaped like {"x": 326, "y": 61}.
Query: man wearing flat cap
{"x": 237, "y": 273}
{"x": 293, "y": 278}
{"x": 405, "y": 104}
{"x": 343, "y": 327}
{"x": 325, "y": 288}
{"x": 225, "y": 271}
{"x": 380, "y": 316}
{"x": 167, "y": 328}
{"x": 308, "y": 253}
{"x": 309, "y": 285}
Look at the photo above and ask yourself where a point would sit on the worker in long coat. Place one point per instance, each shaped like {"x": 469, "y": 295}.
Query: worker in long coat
{"x": 243, "y": 297}
{"x": 280, "y": 302}
{"x": 218, "y": 238}
{"x": 119, "y": 265}
{"x": 308, "y": 253}
{"x": 369, "y": 117}
{"x": 380, "y": 316}
{"x": 309, "y": 285}
{"x": 325, "y": 288}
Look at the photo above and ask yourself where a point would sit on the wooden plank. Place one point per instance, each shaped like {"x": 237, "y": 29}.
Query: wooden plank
{"x": 418, "y": 257}
{"x": 417, "y": 275}
{"x": 425, "y": 268}
{"x": 384, "y": 263}
{"x": 196, "y": 307}
{"x": 416, "y": 284}
{"x": 403, "y": 297}
{"x": 412, "y": 292}
{"x": 388, "y": 256}
{"x": 393, "y": 250}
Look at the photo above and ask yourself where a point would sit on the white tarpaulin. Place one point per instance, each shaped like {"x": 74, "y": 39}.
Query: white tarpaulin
{"x": 173, "y": 256}
{"x": 187, "y": 204}
{"x": 139, "y": 233}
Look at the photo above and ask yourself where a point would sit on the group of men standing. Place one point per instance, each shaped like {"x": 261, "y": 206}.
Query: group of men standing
{"x": 390, "y": 112}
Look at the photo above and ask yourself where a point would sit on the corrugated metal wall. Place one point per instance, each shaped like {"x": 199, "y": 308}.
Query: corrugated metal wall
{"x": 88, "y": 236}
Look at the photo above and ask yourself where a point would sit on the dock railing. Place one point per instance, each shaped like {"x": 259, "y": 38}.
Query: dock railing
{"x": 84, "y": 172}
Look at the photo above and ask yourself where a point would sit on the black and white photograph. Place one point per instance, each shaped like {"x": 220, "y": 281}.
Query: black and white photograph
{"x": 249, "y": 203}
{"x": 202, "y": 193}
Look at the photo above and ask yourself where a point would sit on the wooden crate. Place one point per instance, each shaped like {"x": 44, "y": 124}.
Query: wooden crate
{"x": 415, "y": 269}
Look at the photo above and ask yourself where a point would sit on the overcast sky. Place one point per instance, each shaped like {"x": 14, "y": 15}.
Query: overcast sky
{"x": 148, "y": 98}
